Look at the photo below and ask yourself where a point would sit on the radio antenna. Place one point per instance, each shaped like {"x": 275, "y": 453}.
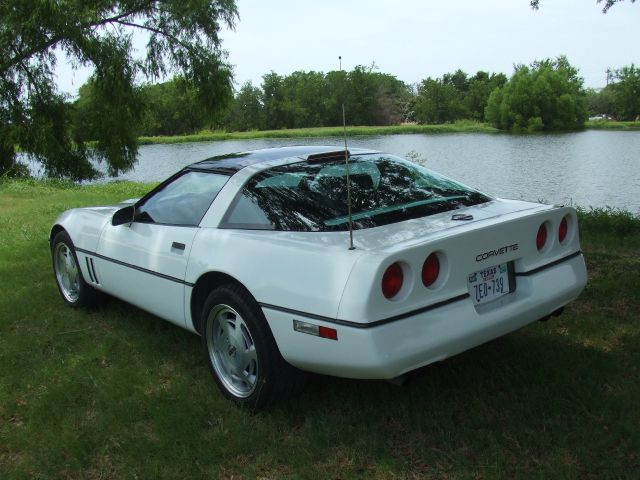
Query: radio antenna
{"x": 346, "y": 164}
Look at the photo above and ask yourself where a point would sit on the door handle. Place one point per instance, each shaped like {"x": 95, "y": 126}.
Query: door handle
{"x": 178, "y": 246}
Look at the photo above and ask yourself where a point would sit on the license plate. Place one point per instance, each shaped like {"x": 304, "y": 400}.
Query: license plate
{"x": 489, "y": 283}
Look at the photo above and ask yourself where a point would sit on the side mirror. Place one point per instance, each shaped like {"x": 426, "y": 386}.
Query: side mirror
{"x": 124, "y": 215}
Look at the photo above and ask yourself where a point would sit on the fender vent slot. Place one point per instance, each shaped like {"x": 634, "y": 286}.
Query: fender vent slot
{"x": 92, "y": 270}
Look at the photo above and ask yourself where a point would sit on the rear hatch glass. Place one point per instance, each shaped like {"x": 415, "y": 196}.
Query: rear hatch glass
{"x": 312, "y": 196}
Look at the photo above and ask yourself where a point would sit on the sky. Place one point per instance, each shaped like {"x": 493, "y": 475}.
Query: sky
{"x": 414, "y": 39}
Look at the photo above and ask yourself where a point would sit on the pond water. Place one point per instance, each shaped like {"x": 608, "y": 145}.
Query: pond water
{"x": 590, "y": 168}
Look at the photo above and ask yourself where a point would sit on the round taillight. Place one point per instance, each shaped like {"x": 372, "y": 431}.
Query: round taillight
{"x": 392, "y": 281}
{"x": 541, "y": 237}
{"x": 563, "y": 230}
{"x": 430, "y": 270}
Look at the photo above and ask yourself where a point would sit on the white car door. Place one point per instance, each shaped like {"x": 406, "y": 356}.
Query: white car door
{"x": 145, "y": 264}
{"x": 144, "y": 261}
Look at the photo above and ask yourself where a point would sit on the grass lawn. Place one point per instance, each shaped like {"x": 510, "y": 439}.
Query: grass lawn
{"x": 611, "y": 125}
{"x": 462, "y": 126}
{"x": 116, "y": 393}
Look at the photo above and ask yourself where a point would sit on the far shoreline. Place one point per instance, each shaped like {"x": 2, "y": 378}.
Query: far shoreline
{"x": 352, "y": 131}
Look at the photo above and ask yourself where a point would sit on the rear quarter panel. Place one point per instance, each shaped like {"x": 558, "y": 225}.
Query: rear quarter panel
{"x": 304, "y": 271}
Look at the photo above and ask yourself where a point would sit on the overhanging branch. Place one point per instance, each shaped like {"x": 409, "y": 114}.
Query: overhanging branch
{"x": 22, "y": 56}
{"x": 159, "y": 32}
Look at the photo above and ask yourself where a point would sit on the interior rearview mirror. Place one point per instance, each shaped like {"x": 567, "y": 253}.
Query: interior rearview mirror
{"x": 124, "y": 215}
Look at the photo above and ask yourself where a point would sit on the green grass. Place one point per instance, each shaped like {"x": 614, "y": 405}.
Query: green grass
{"x": 462, "y": 126}
{"x": 116, "y": 393}
{"x": 611, "y": 125}
{"x": 207, "y": 136}
{"x": 610, "y": 226}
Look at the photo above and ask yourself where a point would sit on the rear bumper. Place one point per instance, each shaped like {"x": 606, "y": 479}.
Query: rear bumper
{"x": 391, "y": 349}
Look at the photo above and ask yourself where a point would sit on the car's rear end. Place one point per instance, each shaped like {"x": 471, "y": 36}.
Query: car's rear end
{"x": 440, "y": 285}
{"x": 437, "y": 268}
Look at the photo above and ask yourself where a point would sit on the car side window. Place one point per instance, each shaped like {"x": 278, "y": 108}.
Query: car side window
{"x": 246, "y": 213}
{"x": 184, "y": 201}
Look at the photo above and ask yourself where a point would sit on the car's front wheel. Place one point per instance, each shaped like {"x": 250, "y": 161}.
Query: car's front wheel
{"x": 241, "y": 351}
{"x": 73, "y": 289}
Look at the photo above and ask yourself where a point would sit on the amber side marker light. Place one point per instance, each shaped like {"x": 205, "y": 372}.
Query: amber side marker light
{"x": 392, "y": 280}
{"x": 315, "y": 330}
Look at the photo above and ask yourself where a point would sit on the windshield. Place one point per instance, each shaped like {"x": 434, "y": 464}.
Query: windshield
{"x": 312, "y": 196}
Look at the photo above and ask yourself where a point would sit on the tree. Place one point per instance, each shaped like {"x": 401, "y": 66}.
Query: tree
{"x": 182, "y": 37}
{"x": 480, "y": 87}
{"x": 455, "y": 96}
{"x": 304, "y": 99}
{"x": 438, "y": 101}
{"x": 360, "y": 101}
{"x": 535, "y": 4}
{"x": 547, "y": 95}
{"x": 394, "y": 100}
{"x": 442, "y": 100}
{"x": 458, "y": 79}
{"x": 246, "y": 111}
{"x": 600, "y": 102}
{"x": 337, "y": 86}
{"x": 626, "y": 92}
{"x": 273, "y": 100}
{"x": 172, "y": 108}
{"x": 312, "y": 99}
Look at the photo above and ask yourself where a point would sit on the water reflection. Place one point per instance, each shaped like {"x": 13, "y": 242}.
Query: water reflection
{"x": 591, "y": 168}
{"x": 312, "y": 196}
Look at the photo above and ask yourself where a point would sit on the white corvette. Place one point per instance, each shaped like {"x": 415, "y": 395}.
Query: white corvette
{"x": 252, "y": 251}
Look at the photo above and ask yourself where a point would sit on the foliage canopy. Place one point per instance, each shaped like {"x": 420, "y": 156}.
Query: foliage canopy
{"x": 620, "y": 99}
{"x": 314, "y": 99}
{"x": 305, "y": 99}
{"x": 455, "y": 96}
{"x": 547, "y": 95}
{"x": 182, "y": 36}
{"x": 625, "y": 90}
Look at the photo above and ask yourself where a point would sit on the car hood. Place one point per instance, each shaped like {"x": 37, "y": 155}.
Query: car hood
{"x": 108, "y": 210}
{"x": 85, "y": 224}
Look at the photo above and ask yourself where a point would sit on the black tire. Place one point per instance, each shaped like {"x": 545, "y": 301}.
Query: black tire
{"x": 68, "y": 276}
{"x": 241, "y": 352}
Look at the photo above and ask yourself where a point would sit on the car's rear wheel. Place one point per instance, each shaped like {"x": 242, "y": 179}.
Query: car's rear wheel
{"x": 73, "y": 289}
{"x": 240, "y": 349}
